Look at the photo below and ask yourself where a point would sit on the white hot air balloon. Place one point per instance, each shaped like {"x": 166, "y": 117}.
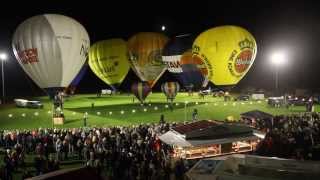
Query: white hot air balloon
{"x": 51, "y": 49}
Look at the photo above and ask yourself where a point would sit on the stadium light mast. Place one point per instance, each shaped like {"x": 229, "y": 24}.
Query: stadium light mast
{"x": 3, "y": 57}
{"x": 277, "y": 59}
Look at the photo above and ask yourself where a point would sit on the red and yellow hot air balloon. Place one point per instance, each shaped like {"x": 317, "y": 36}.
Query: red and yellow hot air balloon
{"x": 170, "y": 89}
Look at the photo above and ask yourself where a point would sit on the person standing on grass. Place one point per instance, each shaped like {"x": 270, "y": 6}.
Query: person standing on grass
{"x": 85, "y": 118}
{"x": 195, "y": 115}
{"x": 162, "y": 121}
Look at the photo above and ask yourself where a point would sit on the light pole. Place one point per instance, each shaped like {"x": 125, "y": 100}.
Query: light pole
{"x": 277, "y": 59}
{"x": 3, "y": 57}
{"x": 185, "y": 110}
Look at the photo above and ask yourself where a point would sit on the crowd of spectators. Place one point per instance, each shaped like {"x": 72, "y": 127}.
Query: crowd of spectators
{"x": 295, "y": 136}
{"x": 115, "y": 152}
{"x": 136, "y": 152}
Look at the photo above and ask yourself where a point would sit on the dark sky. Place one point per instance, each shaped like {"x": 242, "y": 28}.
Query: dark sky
{"x": 293, "y": 26}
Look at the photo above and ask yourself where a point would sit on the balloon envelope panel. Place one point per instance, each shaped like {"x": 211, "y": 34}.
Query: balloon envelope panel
{"x": 108, "y": 59}
{"x": 51, "y": 49}
{"x": 227, "y": 52}
{"x": 170, "y": 89}
{"x": 181, "y": 63}
{"x": 80, "y": 75}
{"x": 145, "y": 51}
{"x": 141, "y": 90}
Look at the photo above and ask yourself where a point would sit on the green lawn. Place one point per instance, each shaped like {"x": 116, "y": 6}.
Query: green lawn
{"x": 75, "y": 107}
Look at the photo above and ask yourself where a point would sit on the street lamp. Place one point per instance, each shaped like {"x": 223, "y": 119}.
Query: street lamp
{"x": 3, "y": 57}
{"x": 185, "y": 110}
{"x": 163, "y": 28}
{"x": 277, "y": 59}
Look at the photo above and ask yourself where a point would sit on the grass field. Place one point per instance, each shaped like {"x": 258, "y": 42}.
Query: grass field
{"x": 12, "y": 117}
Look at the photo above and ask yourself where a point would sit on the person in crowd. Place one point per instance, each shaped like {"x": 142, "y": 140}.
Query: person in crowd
{"x": 8, "y": 166}
{"x": 295, "y": 136}
{"x": 162, "y": 121}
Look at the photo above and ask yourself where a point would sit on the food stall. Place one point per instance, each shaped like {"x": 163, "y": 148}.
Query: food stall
{"x": 210, "y": 138}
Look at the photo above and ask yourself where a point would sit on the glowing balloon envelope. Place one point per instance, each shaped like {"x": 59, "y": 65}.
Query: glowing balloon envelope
{"x": 145, "y": 55}
{"x": 51, "y": 49}
{"x": 179, "y": 59}
{"x": 170, "y": 89}
{"x": 108, "y": 59}
{"x": 227, "y": 52}
{"x": 141, "y": 90}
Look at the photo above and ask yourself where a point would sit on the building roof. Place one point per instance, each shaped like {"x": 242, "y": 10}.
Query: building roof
{"x": 174, "y": 139}
{"x": 211, "y": 130}
{"x": 196, "y": 134}
{"x": 219, "y": 131}
{"x": 183, "y": 129}
{"x": 256, "y": 114}
{"x": 248, "y": 167}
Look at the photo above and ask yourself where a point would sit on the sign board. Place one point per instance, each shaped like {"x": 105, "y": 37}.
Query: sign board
{"x": 58, "y": 120}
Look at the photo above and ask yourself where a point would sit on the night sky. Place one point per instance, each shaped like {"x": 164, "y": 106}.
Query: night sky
{"x": 291, "y": 26}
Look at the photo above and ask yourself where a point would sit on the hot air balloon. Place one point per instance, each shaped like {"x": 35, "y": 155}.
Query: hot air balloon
{"x": 51, "y": 49}
{"x": 108, "y": 59}
{"x": 141, "y": 90}
{"x": 170, "y": 89}
{"x": 75, "y": 82}
{"x": 145, "y": 55}
{"x": 179, "y": 59}
{"x": 227, "y": 52}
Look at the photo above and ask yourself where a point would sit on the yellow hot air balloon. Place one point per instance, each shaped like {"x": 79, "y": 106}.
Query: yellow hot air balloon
{"x": 145, "y": 50}
{"x": 108, "y": 59}
{"x": 227, "y": 52}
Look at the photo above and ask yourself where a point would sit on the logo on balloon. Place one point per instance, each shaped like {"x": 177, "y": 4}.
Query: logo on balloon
{"x": 240, "y": 62}
{"x": 28, "y": 56}
{"x": 243, "y": 61}
{"x": 174, "y": 67}
{"x": 155, "y": 58}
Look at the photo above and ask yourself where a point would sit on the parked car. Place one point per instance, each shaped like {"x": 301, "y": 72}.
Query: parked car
{"x": 242, "y": 98}
{"x": 205, "y": 92}
{"x": 298, "y": 101}
{"x": 21, "y": 102}
{"x": 276, "y": 101}
{"x": 34, "y": 104}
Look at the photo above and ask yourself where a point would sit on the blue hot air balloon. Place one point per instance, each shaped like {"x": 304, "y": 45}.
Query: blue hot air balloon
{"x": 180, "y": 62}
{"x": 75, "y": 82}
